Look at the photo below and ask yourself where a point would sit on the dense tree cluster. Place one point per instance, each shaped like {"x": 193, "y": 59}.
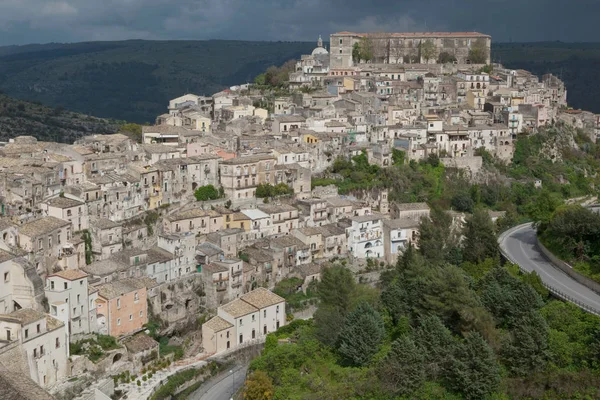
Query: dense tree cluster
{"x": 276, "y": 76}
{"x": 264, "y": 190}
{"x": 206, "y": 193}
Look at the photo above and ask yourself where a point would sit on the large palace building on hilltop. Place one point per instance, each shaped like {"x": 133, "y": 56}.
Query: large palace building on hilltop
{"x": 404, "y": 47}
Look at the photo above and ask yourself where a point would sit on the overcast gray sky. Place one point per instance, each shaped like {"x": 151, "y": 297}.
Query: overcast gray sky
{"x": 42, "y": 21}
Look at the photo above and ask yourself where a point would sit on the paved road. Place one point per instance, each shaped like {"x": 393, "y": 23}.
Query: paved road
{"x": 519, "y": 245}
{"x": 223, "y": 387}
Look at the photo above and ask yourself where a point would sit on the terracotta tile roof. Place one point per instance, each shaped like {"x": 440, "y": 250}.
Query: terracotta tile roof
{"x": 411, "y": 206}
{"x": 42, "y": 226}
{"x": 70, "y": 274}
{"x": 217, "y": 324}
{"x": 53, "y": 323}
{"x": 16, "y": 386}
{"x": 24, "y": 316}
{"x": 119, "y": 288}
{"x": 261, "y": 298}
{"x": 64, "y": 202}
{"x": 238, "y": 308}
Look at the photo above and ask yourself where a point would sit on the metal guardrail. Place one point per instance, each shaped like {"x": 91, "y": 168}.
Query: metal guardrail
{"x": 550, "y": 288}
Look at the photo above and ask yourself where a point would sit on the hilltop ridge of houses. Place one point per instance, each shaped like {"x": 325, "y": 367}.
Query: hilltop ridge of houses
{"x": 94, "y": 235}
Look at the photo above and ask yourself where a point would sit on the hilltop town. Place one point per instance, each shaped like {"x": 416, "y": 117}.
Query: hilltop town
{"x": 115, "y": 247}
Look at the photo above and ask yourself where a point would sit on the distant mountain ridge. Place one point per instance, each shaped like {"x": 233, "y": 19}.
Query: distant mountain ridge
{"x": 133, "y": 80}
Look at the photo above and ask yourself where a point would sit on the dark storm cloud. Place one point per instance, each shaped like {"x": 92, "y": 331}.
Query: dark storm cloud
{"x": 27, "y": 21}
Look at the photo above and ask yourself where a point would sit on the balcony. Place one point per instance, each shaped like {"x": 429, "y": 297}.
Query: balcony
{"x": 236, "y": 285}
{"x": 236, "y": 273}
{"x": 219, "y": 280}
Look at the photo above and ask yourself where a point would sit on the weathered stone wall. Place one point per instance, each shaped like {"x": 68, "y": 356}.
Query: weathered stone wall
{"x": 325, "y": 192}
{"x": 471, "y": 164}
{"x": 179, "y": 303}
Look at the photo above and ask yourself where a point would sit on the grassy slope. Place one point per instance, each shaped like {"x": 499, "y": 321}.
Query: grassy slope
{"x": 133, "y": 80}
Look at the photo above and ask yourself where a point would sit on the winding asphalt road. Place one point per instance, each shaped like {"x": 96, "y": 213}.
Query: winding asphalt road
{"x": 519, "y": 246}
{"x": 222, "y": 387}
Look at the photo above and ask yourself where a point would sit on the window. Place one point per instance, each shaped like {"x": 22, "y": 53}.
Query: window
{"x": 41, "y": 350}
{"x": 40, "y": 244}
{"x": 241, "y": 322}
{"x": 6, "y": 277}
{"x": 26, "y": 333}
{"x": 241, "y": 338}
{"x": 253, "y": 334}
{"x": 340, "y": 41}
{"x": 74, "y": 311}
{"x": 81, "y": 283}
{"x": 119, "y": 321}
{"x": 78, "y": 298}
{"x": 131, "y": 317}
{"x": 57, "y": 343}
{"x": 141, "y": 314}
{"x": 38, "y": 328}
{"x": 136, "y": 297}
{"x": 253, "y": 317}
{"x": 264, "y": 313}
{"x": 66, "y": 286}
{"x": 277, "y": 309}
{"x": 35, "y": 354}
{"x": 118, "y": 303}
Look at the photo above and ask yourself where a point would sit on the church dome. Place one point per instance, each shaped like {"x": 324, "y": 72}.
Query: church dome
{"x": 319, "y": 49}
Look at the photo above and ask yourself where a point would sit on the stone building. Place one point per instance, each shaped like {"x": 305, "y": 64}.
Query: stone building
{"x": 405, "y": 47}
{"x": 35, "y": 344}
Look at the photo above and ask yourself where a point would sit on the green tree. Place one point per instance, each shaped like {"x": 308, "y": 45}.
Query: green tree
{"x": 134, "y": 131}
{"x": 366, "y": 49}
{"x": 436, "y": 236}
{"x": 473, "y": 370}
{"x": 508, "y": 298}
{"x": 542, "y": 208}
{"x": 206, "y": 193}
{"x": 260, "y": 79}
{"x": 336, "y": 292}
{"x": 527, "y": 349}
{"x": 479, "y": 53}
{"x": 258, "y": 387}
{"x": 361, "y": 335}
{"x": 398, "y": 157}
{"x": 428, "y": 50}
{"x": 479, "y": 238}
{"x": 356, "y": 56}
{"x": 403, "y": 370}
{"x": 446, "y": 58}
{"x": 463, "y": 202}
{"x": 436, "y": 343}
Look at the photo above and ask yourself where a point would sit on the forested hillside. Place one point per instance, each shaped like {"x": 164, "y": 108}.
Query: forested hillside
{"x": 134, "y": 80}
{"x": 23, "y": 118}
